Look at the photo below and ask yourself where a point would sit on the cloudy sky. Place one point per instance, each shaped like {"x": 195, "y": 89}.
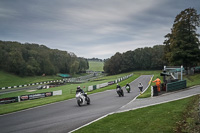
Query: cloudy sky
{"x": 90, "y": 28}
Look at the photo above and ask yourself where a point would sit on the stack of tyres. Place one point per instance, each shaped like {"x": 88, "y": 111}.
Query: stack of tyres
{"x": 155, "y": 90}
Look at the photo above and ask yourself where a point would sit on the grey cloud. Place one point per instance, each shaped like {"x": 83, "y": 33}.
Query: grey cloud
{"x": 101, "y": 28}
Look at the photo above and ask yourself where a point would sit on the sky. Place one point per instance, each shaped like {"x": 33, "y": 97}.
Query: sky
{"x": 90, "y": 28}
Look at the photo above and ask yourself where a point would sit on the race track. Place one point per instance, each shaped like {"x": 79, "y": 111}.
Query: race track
{"x": 65, "y": 116}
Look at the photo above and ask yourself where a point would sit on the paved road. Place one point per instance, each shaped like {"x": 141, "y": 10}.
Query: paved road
{"x": 17, "y": 89}
{"x": 167, "y": 97}
{"x": 65, "y": 116}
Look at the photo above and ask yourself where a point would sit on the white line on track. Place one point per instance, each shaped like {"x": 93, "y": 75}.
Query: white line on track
{"x": 136, "y": 96}
{"x": 130, "y": 110}
{"x": 108, "y": 113}
{"x": 157, "y": 103}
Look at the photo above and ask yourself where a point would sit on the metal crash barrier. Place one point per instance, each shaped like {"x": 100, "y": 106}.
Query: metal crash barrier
{"x": 174, "y": 86}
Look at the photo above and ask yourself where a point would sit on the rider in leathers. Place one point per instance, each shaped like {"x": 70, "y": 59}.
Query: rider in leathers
{"x": 80, "y": 90}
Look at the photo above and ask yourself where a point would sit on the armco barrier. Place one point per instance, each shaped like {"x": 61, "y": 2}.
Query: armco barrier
{"x": 29, "y": 97}
{"x": 98, "y": 86}
{"x": 176, "y": 85}
{"x": 57, "y": 92}
{"x": 8, "y": 100}
{"x": 94, "y": 87}
{"x": 75, "y": 80}
{"x": 30, "y": 84}
{"x": 91, "y": 88}
{"x": 103, "y": 85}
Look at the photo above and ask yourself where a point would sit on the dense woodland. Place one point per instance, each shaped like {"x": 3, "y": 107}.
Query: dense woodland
{"x": 140, "y": 59}
{"x": 33, "y": 59}
{"x": 181, "y": 47}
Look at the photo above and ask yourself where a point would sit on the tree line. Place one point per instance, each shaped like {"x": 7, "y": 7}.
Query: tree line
{"x": 148, "y": 58}
{"x": 181, "y": 47}
{"x": 34, "y": 59}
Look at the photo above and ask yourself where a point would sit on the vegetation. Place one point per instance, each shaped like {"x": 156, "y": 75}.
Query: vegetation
{"x": 182, "y": 44}
{"x": 192, "y": 79}
{"x": 190, "y": 122}
{"x": 33, "y": 59}
{"x": 154, "y": 119}
{"x": 7, "y": 79}
{"x": 182, "y": 47}
{"x": 95, "y": 59}
{"x": 96, "y": 65}
{"x": 140, "y": 59}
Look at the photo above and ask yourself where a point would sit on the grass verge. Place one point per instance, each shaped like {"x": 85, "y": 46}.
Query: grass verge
{"x": 192, "y": 79}
{"x": 161, "y": 118}
{"x": 96, "y": 65}
{"x": 7, "y": 79}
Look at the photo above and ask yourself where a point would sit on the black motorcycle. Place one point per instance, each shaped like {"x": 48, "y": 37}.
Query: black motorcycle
{"x": 120, "y": 92}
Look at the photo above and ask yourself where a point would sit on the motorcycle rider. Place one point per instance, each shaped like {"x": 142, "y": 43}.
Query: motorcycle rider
{"x": 128, "y": 85}
{"x": 140, "y": 86}
{"x": 119, "y": 90}
{"x": 80, "y": 90}
{"x": 118, "y": 86}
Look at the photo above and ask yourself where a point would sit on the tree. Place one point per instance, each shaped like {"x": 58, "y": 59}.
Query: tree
{"x": 140, "y": 59}
{"x": 32, "y": 67}
{"x": 74, "y": 67}
{"x": 182, "y": 44}
{"x": 127, "y": 61}
{"x": 15, "y": 63}
{"x": 33, "y": 59}
{"x": 114, "y": 64}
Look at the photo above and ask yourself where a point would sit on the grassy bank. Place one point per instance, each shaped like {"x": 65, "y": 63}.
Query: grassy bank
{"x": 7, "y": 79}
{"x": 96, "y": 65}
{"x": 161, "y": 118}
{"x": 192, "y": 79}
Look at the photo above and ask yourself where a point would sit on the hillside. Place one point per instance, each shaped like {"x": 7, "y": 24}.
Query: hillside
{"x": 95, "y": 65}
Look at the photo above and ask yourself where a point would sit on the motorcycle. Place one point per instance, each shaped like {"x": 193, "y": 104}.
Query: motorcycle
{"x": 128, "y": 89}
{"x": 81, "y": 99}
{"x": 120, "y": 92}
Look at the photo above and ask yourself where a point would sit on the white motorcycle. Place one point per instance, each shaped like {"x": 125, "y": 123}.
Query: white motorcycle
{"x": 81, "y": 99}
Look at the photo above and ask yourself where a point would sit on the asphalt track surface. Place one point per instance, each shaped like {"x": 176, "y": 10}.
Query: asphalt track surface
{"x": 66, "y": 116}
{"x": 163, "y": 98}
{"x": 17, "y": 89}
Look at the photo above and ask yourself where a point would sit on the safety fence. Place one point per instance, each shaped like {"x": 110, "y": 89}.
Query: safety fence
{"x": 94, "y": 87}
{"x": 29, "y": 97}
{"x": 39, "y": 83}
{"x": 65, "y": 80}
{"x": 174, "y": 86}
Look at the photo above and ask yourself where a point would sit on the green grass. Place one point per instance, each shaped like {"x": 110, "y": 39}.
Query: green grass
{"x": 96, "y": 65}
{"x": 7, "y": 79}
{"x": 154, "y": 119}
{"x": 192, "y": 79}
